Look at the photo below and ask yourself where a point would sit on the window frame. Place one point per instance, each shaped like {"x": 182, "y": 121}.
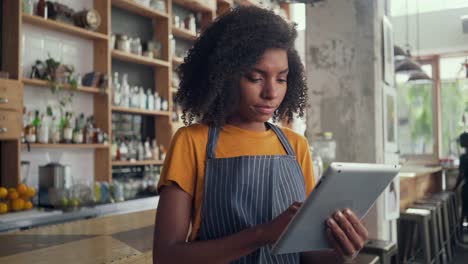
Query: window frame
{"x": 434, "y": 61}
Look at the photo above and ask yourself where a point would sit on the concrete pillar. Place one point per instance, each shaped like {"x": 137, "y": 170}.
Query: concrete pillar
{"x": 344, "y": 71}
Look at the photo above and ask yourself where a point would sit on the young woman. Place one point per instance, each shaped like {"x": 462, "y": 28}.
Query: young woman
{"x": 234, "y": 178}
{"x": 463, "y": 177}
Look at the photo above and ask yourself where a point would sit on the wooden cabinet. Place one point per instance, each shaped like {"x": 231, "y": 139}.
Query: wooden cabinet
{"x": 10, "y": 125}
{"x": 11, "y": 95}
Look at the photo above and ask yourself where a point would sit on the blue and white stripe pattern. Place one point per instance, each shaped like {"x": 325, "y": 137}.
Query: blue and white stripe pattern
{"x": 242, "y": 192}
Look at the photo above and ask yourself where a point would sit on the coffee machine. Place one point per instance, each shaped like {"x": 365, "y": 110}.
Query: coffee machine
{"x": 55, "y": 182}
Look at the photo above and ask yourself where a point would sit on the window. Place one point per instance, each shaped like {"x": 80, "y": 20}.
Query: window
{"x": 415, "y": 119}
{"x": 454, "y": 103}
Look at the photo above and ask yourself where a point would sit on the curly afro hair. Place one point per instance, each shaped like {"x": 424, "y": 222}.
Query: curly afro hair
{"x": 227, "y": 50}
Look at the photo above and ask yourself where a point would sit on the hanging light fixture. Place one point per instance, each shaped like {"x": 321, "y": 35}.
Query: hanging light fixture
{"x": 419, "y": 77}
{"x": 407, "y": 66}
{"x": 399, "y": 53}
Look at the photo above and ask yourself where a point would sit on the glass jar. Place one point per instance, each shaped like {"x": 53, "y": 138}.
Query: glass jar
{"x": 317, "y": 163}
{"x": 325, "y": 147}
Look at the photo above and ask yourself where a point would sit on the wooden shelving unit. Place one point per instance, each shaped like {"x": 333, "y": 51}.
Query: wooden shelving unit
{"x": 63, "y": 27}
{"x": 13, "y": 21}
{"x": 138, "y": 9}
{"x": 137, "y": 163}
{"x": 45, "y": 84}
{"x": 128, "y": 57}
{"x": 139, "y": 111}
{"x": 174, "y": 90}
{"x": 67, "y": 146}
{"x": 184, "y": 34}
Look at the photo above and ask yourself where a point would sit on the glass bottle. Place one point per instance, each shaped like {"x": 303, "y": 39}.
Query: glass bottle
{"x": 89, "y": 131}
{"x": 155, "y": 150}
{"x": 123, "y": 150}
{"x": 125, "y": 91}
{"x": 148, "y": 153}
{"x": 150, "y": 100}
{"x": 117, "y": 96}
{"x": 164, "y": 105}
{"x": 54, "y": 131}
{"x": 157, "y": 102}
{"x": 132, "y": 151}
{"x": 143, "y": 99}
{"x": 141, "y": 150}
{"x": 67, "y": 129}
{"x": 43, "y": 131}
{"x": 30, "y": 132}
{"x": 77, "y": 132}
{"x": 36, "y": 123}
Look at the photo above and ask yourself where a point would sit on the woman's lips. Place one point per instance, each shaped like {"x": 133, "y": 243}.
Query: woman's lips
{"x": 267, "y": 110}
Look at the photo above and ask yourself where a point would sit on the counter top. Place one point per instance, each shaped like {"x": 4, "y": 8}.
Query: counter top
{"x": 34, "y": 218}
{"x": 124, "y": 238}
{"x": 411, "y": 171}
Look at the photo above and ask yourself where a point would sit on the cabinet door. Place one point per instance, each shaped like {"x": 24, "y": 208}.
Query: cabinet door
{"x": 10, "y": 125}
{"x": 11, "y": 95}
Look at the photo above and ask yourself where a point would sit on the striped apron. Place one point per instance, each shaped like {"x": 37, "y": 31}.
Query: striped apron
{"x": 242, "y": 192}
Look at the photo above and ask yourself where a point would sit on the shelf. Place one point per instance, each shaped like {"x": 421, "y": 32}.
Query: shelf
{"x": 138, "y": 9}
{"x": 139, "y": 111}
{"x": 177, "y": 60}
{"x": 183, "y": 33}
{"x": 194, "y": 5}
{"x": 45, "y": 84}
{"x": 128, "y": 57}
{"x": 63, "y": 27}
{"x": 137, "y": 163}
{"x": 67, "y": 146}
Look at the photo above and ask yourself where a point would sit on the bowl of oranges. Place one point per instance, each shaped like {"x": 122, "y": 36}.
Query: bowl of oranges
{"x": 16, "y": 199}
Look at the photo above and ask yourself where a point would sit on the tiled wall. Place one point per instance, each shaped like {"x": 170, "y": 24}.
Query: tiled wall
{"x": 37, "y": 43}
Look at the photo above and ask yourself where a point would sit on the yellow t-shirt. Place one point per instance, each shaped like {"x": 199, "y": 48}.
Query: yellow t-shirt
{"x": 185, "y": 161}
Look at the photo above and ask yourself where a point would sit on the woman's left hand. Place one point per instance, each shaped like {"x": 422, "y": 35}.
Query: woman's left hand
{"x": 346, "y": 233}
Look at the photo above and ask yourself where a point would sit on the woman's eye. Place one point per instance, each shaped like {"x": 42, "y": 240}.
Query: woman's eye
{"x": 253, "y": 79}
{"x": 282, "y": 80}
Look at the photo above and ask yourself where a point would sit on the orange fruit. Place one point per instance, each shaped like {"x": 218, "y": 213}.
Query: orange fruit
{"x": 28, "y": 205}
{"x": 30, "y": 192}
{"x": 17, "y": 204}
{"x": 11, "y": 190}
{"x": 3, "y": 208}
{"x": 13, "y": 195}
{"x": 3, "y": 192}
{"x": 22, "y": 188}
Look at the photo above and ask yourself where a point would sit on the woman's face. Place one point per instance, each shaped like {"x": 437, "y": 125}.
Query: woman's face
{"x": 263, "y": 88}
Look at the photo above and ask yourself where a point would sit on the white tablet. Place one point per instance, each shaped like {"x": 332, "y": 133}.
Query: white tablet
{"x": 344, "y": 185}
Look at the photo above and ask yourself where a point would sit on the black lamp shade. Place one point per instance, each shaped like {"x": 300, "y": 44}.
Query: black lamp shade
{"x": 399, "y": 53}
{"x": 407, "y": 66}
{"x": 419, "y": 77}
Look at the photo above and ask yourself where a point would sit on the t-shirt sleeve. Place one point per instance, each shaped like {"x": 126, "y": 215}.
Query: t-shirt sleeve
{"x": 180, "y": 163}
{"x": 305, "y": 160}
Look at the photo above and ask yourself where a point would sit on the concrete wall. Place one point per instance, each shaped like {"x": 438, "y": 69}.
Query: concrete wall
{"x": 440, "y": 32}
{"x": 344, "y": 71}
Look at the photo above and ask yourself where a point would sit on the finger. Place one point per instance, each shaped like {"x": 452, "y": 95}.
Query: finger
{"x": 360, "y": 229}
{"x": 297, "y": 204}
{"x": 334, "y": 243}
{"x": 348, "y": 228}
{"x": 341, "y": 237}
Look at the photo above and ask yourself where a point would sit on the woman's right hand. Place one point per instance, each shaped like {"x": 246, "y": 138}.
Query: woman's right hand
{"x": 272, "y": 230}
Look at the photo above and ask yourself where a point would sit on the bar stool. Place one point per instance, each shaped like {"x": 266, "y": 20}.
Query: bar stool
{"x": 436, "y": 240}
{"x": 455, "y": 216}
{"x": 446, "y": 223}
{"x": 414, "y": 224}
{"x": 386, "y": 250}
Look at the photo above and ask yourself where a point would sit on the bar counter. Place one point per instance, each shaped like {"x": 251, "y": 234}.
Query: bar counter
{"x": 125, "y": 238}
